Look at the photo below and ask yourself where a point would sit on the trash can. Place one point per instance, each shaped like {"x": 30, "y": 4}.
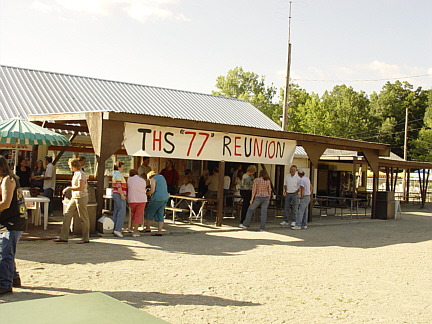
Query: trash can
{"x": 76, "y": 222}
{"x": 385, "y": 205}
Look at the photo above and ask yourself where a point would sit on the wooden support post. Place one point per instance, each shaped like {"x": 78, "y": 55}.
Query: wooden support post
{"x": 395, "y": 180}
{"x": 387, "y": 179}
{"x": 34, "y": 156}
{"x": 59, "y": 155}
{"x": 107, "y": 138}
{"x": 372, "y": 157}
{"x": 354, "y": 182}
{"x": 219, "y": 212}
{"x": 407, "y": 184}
{"x": 311, "y": 178}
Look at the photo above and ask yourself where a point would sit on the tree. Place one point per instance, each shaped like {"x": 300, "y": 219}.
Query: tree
{"x": 422, "y": 146}
{"x": 389, "y": 110}
{"x": 247, "y": 86}
{"x": 298, "y": 97}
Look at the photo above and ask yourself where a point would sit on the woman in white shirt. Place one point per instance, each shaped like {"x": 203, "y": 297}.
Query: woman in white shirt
{"x": 137, "y": 198}
{"x": 77, "y": 204}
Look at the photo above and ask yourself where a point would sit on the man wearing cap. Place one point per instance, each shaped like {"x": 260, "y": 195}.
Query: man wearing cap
{"x": 305, "y": 192}
{"x": 291, "y": 190}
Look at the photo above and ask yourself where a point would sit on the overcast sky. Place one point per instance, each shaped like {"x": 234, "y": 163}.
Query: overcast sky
{"x": 186, "y": 44}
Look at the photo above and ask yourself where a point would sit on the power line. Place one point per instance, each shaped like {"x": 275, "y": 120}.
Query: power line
{"x": 365, "y": 80}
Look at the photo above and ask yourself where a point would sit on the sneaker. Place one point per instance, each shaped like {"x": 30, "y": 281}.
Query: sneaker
{"x": 304, "y": 227}
{"x": 118, "y": 234}
{"x": 16, "y": 282}
{"x": 295, "y": 227}
{"x": 129, "y": 230}
{"x": 293, "y": 224}
{"x": 284, "y": 223}
{"x": 242, "y": 226}
{"x": 262, "y": 230}
{"x": 135, "y": 235}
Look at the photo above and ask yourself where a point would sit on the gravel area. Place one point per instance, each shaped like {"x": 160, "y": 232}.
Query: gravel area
{"x": 370, "y": 272}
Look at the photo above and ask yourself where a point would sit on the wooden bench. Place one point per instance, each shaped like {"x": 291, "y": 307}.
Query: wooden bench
{"x": 321, "y": 208}
{"x": 175, "y": 210}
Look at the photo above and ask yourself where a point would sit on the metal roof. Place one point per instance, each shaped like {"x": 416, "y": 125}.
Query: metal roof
{"x": 30, "y": 92}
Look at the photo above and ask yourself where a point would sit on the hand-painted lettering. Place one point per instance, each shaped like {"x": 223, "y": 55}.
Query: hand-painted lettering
{"x": 144, "y": 131}
{"x": 236, "y": 145}
{"x": 169, "y": 142}
{"x": 250, "y": 147}
{"x": 270, "y": 153}
{"x": 280, "y": 149}
{"x": 257, "y": 148}
{"x": 226, "y": 142}
{"x": 155, "y": 139}
{"x": 204, "y": 143}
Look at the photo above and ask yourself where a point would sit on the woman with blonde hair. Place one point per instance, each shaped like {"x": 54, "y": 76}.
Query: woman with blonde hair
{"x": 156, "y": 207}
{"x": 77, "y": 204}
{"x": 261, "y": 192}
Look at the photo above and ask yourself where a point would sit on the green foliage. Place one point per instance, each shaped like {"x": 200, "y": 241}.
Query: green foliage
{"x": 247, "y": 86}
{"x": 422, "y": 146}
{"x": 343, "y": 112}
{"x": 389, "y": 110}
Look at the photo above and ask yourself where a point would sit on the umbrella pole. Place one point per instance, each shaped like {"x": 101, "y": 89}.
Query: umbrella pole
{"x": 16, "y": 159}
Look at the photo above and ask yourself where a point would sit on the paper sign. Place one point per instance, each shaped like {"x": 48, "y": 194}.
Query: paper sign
{"x": 182, "y": 143}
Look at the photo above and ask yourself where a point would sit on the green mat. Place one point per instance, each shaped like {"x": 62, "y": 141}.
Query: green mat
{"x": 84, "y": 308}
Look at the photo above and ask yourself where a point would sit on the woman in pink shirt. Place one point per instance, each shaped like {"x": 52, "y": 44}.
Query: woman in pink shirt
{"x": 261, "y": 192}
{"x": 137, "y": 198}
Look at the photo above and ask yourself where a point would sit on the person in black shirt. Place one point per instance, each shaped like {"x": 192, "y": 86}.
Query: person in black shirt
{"x": 23, "y": 172}
{"x": 13, "y": 216}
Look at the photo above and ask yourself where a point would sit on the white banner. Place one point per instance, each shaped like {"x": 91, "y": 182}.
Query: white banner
{"x": 180, "y": 143}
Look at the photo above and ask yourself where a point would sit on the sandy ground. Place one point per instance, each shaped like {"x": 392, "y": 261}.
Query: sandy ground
{"x": 371, "y": 272}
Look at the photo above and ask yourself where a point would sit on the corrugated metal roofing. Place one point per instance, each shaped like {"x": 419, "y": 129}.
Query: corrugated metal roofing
{"x": 25, "y": 92}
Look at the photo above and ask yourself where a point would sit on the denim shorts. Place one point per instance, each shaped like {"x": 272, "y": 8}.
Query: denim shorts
{"x": 155, "y": 209}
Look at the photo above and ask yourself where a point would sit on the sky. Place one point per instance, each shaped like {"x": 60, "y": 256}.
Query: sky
{"x": 187, "y": 44}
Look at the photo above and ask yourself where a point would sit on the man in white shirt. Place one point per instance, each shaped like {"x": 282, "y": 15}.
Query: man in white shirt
{"x": 187, "y": 189}
{"x": 291, "y": 190}
{"x": 305, "y": 193}
{"x": 49, "y": 184}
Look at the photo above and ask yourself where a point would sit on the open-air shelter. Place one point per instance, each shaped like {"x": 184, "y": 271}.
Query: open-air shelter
{"x": 112, "y": 113}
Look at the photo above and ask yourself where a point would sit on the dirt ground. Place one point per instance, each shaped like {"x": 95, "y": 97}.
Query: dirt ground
{"x": 378, "y": 271}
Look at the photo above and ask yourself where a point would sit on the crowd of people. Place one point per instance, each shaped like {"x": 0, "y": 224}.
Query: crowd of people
{"x": 146, "y": 192}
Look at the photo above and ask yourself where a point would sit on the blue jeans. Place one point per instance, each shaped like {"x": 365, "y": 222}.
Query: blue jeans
{"x": 7, "y": 258}
{"x": 264, "y": 202}
{"x": 294, "y": 198}
{"x": 303, "y": 214}
{"x": 119, "y": 213}
{"x": 49, "y": 193}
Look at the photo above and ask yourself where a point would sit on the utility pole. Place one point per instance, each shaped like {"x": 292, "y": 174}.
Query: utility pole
{"x": 286, "y": 104}
{"x": 405, "y": 155}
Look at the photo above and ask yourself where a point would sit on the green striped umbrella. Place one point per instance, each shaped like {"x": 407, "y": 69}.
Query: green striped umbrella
{"x": 20, "y": 131}
{"x": 16, "y": 131}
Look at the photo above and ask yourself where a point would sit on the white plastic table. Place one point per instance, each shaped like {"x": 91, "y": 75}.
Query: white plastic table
{"x": 38, "y": 200}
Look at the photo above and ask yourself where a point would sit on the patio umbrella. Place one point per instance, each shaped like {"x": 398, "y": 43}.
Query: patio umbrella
{"x": 16, "y": 131}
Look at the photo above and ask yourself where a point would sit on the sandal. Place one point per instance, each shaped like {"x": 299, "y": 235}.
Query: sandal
{"x": 82, "y": 242}
{"x": 156, "y": 234}
{"x": 57, "y": 240}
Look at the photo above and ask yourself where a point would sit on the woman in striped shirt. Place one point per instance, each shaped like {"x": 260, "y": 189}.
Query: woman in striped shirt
{"x": 119, "y": 198}
{"x": 261, "y": 192}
